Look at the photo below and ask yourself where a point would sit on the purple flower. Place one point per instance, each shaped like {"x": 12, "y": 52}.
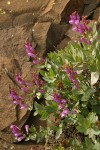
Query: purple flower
{"x": 35, "y": 61}
{"x": 22, "y": 82}
{"x": 19, "y": 79}
{"x": 37, "y": 80}
{"x": 23, "y": 106}
{"x": 65, "y": 112}
{"x": 30, "y": 50}
{"x": 83, "y": 40}
{"x": 88, "y": 42}
{"x": 17, "y": 99}
{"x": 89, "y": 29}
{"x": 24, "y": 89}
{"x": 57, "y": 97}
{"x": 74, "y": 19}
{"x": 60, "y": 106}
{"x": 38, "y": 61}
{"x": 63, "y": 101}
{"x": 72, "y": 75}
{"x": 17, "y": 133}
{"x": 42, "y": 91}
{"x": 75, "y": 29}
{"x": 81, "y": 27}
{"x": 27, "y": 128}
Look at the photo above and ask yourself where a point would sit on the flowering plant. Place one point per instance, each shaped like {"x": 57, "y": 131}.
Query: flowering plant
{"x": 70, "y": 87}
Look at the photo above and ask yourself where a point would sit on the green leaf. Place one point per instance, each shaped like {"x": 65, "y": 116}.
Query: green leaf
{"x": 52, "y": 108}
{"x": 96, "y": 131}
{"x": 81, "y": 119}
{"x": 94, "y": 28}
{"x": 97, "y": 146}
{"x": 89, "y": 132}
{"x": 42, "y": 72}
{"x": 87, "y": 94}
{"x": 92, "y": 118}
{"x": 81, "y": 129}
{"x": 39, "y": 108}
{"x": 58, "y": 133}
{"x": 44, "y": 115}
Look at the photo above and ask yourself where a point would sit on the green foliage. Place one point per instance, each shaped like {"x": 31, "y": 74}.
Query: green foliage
{"x": 72, "y": 73}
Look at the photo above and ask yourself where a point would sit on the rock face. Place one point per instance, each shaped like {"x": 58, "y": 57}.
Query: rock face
{"x": 40, "y": 31}
{"x": 45, "y": 24}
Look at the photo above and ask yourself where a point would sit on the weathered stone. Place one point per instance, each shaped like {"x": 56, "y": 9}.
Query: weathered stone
{"x": 24, "y": 19}
{"x": 90, "y": 1}
{"x": 12, "y": 42}
{"x": 73, "y": 5}
{"x": 9, "y": 113}
{"x": 63, "y": 43}
{"x": 72, "y": 34}
{"x": 40, "y": 31}
{"x": 5, "y": 21}
{"x": 96, "y": 15}
{"x": 88, "y": 10}
{"x": 57, "y": 11}
{"x": 55, "y": 35}
{"x": 7, "y": 109}
{"x": 53, "y": 11}
{"x": 18, "y": 7}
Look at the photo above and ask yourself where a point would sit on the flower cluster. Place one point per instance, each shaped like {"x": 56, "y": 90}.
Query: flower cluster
{"x": 18, "y": 133}
{"x": 24, "y": 84}
{"x": 38, "y": 82}
{"x": 32, "y": 53}
{"x": 81, "y": 27}
{"x": 62, "y": 104}
{"x": 17, "y": 99}
{"x": 72, "y": 75}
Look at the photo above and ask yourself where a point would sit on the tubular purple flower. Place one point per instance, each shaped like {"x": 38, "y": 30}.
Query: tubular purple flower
{"x": 81, "y": 27}
{"x": 30, "y": 50}
{"x": 83, "y": 40}
{"x": 23, "y": 106}
{"x": 24, "y": 89}
{"x": 75, "y": 29}
{"x": 72, "y": 75}
{"x": 35, "y": 61}
{"x": 65, "y": 113}
{"x": 42, "y": 91}
{"x": 60, "y": 106}
{"x": 75, "y": 19}
{"x": 19, "y": 79}
{"x": 21, "y": 138}
{"x": 88, "y": 42}
{"x": 90, "y": 29}
{"x": 63, "y": 101}
{"x": 37, "y": 80}
{"x": 57, "y": 97}
{"x": 17, "y": 133}
{"x": 29, "y": 47}
{"x": 27, "y": 128}
{"x": 17, "y": 99}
